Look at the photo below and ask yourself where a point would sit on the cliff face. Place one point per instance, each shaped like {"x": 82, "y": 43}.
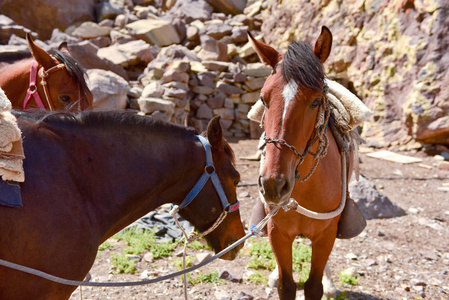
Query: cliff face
{"x": 392, "y": 54}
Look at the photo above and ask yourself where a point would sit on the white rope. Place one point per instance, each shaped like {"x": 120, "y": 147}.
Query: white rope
{"x": 329, "y": 215}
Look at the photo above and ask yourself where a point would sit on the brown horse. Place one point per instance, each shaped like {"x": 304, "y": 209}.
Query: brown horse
{"x": 53, "y": 82}
{"x": 89, "y": 175}
{"x": 302, "y": 159}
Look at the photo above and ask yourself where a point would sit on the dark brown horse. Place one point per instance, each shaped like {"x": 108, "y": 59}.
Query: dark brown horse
{"x": 89, "y": 175}
{"x": 302, "y": 159}
{"x": 53, "y": 82}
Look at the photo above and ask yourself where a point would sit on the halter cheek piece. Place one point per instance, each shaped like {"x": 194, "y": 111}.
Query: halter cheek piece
{"x": 32, "y": 88}
{"x": 318, "y": 134}
{"x": 209, "y": 173}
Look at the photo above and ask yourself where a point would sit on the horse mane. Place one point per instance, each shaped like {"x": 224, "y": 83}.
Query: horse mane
{"x": 301, "y": 65}
{"x": 75, "y": 70}
{"x": 12, "y": 56}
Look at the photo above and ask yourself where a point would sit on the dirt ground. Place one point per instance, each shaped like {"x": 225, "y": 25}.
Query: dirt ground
{"x": 399, "y": 258}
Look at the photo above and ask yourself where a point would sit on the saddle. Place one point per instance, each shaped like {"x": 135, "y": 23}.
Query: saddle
{"x": 11, "y": 155}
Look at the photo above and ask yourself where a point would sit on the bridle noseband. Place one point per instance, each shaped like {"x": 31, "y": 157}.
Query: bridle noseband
{"x": 209, "y": 173}
{"x": 32, "y": 88}
{"x": 318, "y": 134}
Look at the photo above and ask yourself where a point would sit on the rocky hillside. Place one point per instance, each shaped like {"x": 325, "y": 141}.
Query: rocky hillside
{"x": 191, "y": 60}
{"x": 392, "y": 54}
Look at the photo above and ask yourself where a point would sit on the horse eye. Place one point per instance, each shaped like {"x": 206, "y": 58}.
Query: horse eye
{"x": 236, "y": 182}
{"x": 65, "y": 99}
{"x": 315, "y": 103}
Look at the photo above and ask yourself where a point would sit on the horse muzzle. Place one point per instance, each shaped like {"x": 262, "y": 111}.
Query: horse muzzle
{"x": 275, "y": 190}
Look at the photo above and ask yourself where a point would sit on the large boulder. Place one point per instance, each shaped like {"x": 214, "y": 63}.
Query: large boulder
{"x": 154, "y": 31}
{"x": 392, "y": 54}
{"x": 42, "y": 16}
{"x": 109, "y": 90}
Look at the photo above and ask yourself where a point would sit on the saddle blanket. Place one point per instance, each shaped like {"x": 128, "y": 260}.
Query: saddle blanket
{"x": 10, "y": 194}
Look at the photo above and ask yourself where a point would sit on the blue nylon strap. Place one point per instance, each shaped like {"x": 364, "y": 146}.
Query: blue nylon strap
{"x": 204, "y": 178}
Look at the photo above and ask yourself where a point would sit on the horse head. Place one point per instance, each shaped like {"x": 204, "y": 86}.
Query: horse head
{"x": 60, "y": 79}
{"x": 231, "y": 228}
{"x": 295, "y": 106}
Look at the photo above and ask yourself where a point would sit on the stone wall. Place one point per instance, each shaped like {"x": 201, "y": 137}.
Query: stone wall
{"x": 392, "y": 54}
{"x": 182, "y": 61}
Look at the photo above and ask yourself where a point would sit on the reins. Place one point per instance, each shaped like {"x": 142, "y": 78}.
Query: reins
{"x": 32, "y": 88}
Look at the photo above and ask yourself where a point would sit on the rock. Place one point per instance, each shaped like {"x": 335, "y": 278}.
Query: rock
{"x": 154, "y": 31}
{"x": 86, "y": 53}
{"x": 108, "y": 10}
{"x": 257, "y": 70}
{"x": 191, "y": 10}
{"x": 255, "y": 83}
{"x": 90, "y": 30}
{"x": 228, "y": 89}
{"x": 226, "y": 275}
{"x": 211, "y": 49}
{"x": 373, "y": 204}
{"x": 150, "y": 105}
{"x": 244, "y": 296}
{"x": 216, "y": 65}
{"x": 203, "y": 256}
{"x": 250, "y": 98}
{"x": 225, "y": 113}
{"x": 42, "y": 16}
{"x": 204, "y": 90}
{"x": 109, "y": 89}
{"x": 222, "y": 295}
{"x": 152, "y": 90}
{"x": 192, "y": 33}
{"x": 175, "y": 75}
{"x": 443, "y": 165}
{"x": 217, "y": 30}
{"x": 228, "y": 6}
{"x": 204, "y": 112}
{"x": 127, "y": 54}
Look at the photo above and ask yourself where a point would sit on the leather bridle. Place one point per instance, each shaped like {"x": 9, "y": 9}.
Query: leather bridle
{"x": 32, "y": 88}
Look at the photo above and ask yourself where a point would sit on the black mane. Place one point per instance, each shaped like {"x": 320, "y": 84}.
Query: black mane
{"x": 302, "y": 65}
{"x": 12, "y": 56}
{"x": 75, "y": 70}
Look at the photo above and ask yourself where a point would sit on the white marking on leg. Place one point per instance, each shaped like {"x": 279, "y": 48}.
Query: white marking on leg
{"x": 289, "y": 93}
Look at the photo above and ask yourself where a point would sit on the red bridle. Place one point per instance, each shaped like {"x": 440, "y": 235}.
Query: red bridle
{"x": 32, "y": 88}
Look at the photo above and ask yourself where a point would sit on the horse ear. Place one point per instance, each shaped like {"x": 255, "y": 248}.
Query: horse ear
{"x": 64, "y": 47}
{"x": 215, "y": 133}
{"x": 323, "y": 44}
{"x": 267, "y": 54}
{"x": 39, "y": 54}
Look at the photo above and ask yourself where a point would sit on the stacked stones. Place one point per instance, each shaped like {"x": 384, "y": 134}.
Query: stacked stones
{"x": 182, "y": 61}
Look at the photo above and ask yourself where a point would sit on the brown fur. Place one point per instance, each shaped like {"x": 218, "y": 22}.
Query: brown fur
{"x": 322, "y": 191}
{"x": 90, "y": 175}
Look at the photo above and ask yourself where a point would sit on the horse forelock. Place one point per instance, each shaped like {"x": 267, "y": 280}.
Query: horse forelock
{"x": 75, "y": 70}
{"x": 301, "y": 65}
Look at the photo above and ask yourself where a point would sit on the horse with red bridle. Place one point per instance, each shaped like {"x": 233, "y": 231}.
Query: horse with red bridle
{"x": 302, "y": 159}
{"x": 44, "y": 81}
{"x": 89, "y": 175}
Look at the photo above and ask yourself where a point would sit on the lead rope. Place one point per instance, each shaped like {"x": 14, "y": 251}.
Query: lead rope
{"x": 255, "y": 229}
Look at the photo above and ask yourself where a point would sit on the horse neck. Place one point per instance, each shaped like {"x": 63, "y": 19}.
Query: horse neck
{"x": 322, "y": 191}
{"x": 15, "y": 80}
{"x": 132, "y": 182}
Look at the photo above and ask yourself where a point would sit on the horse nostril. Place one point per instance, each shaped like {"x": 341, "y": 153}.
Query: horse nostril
{"x": 260, "y": 185}
{"x": 284, "y": 187}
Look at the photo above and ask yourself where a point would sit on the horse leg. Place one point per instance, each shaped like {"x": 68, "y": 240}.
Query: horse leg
{"x": 321, "y": 249}
{"x": 329, "y": 289}
{"x": 282, "y": 249}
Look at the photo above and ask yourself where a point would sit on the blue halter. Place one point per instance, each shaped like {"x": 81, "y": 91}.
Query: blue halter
{"x": 209, "y": 173}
